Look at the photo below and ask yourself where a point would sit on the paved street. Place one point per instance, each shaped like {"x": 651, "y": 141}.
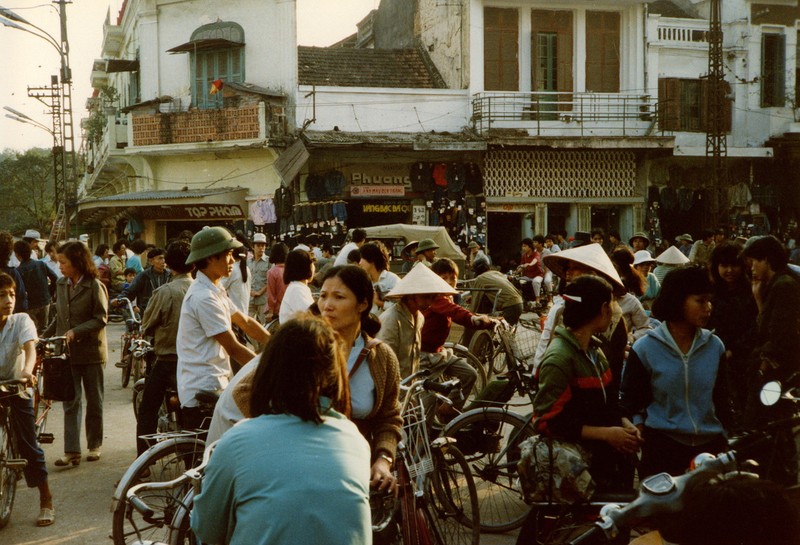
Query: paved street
{"x": 83, "y": 494}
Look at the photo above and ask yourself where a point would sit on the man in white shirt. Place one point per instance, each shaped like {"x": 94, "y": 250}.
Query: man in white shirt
{"x": 206, "y": 341}
{"x": 258, "y": 265}
{"x": 358, "y": 237}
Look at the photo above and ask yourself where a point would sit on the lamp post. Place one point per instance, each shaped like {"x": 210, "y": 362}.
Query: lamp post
{"x": 63, "y": 133}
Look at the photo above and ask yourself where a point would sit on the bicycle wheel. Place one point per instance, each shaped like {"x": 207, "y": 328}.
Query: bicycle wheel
{"x": 452, "y": 499}
{"x": 8, "y": 473}
{"x": 137, "y": 393}
{"x": 181, "y": 529}
{"x": 126, "y": 359}
{"x": 482, "y": 347}
{"x": 162, "y": 462}
{"x": 489, "y": 438}
{"x": 462, "y": 352}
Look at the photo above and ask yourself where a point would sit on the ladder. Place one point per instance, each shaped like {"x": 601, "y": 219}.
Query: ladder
{"x": 57, "y": 232}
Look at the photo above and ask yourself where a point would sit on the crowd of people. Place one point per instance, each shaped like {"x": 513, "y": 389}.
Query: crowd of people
{"x": 644, "y": 359}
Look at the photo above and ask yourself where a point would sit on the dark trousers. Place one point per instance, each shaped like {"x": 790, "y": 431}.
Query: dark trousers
{"x": 661, "y": 453}
{"x": 24, "y": 423}
{"x": 161, "y": 378}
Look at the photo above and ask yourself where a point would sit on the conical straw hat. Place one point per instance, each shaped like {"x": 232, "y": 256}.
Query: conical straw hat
{"x": 420, "y": 280}
{"x": 672, "y": 256}
{"x": 589, "y": 255}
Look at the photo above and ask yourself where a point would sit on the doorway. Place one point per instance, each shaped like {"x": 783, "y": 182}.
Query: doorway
{"x": 503, "y": 237}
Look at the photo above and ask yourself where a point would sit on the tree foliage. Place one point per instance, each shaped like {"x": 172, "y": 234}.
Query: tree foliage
{"x": 27, "y": 191}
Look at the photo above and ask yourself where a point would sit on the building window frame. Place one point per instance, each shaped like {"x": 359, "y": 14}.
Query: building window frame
{"x": 226, "y": 62}
{"x": 773, "y": 70}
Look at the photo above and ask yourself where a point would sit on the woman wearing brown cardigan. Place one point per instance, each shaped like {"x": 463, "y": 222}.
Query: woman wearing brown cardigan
{"x": 81, "y": 316}
{"x": 344, "y": 301}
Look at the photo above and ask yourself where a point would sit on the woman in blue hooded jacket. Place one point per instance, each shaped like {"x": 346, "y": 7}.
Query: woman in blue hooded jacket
{"x": 673, "y": 384}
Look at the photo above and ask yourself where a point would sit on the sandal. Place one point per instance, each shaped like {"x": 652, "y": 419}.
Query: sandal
{"x": 73, "y": 458}
{"x": 94, "y": 455}
{"x": 47, "y": 516}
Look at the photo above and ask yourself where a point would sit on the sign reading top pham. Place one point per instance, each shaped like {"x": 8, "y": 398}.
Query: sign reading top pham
{"x": 209, "y": 211}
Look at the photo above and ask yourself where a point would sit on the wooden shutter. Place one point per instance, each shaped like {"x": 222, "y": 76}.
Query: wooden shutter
{"x": 500, "y": 49}
{"x": 602, "y": 51}
{"x": 669, "y": 106}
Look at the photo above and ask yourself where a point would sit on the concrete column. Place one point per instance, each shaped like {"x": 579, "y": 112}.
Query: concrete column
{"x": 584, "y": 217}
{"x": 540, "y": 221}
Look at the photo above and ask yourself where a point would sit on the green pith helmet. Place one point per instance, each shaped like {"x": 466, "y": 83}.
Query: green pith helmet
{"x": 426, "y": 244}
{"x": 210, "y": 242}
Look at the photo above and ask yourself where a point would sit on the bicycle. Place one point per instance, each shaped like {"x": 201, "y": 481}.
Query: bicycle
{"x": 11, "y": 465}
{"x": 489, "y": 434}
{"x": 46, "y": 348}
{"x": 438, "y": 499}
{"x": 170, "y": 455}
{"x": 127, "y": 363}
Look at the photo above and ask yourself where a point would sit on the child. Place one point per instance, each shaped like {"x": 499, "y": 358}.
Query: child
{"x": 17, "y": 359}
{"x": 130, "y": 274}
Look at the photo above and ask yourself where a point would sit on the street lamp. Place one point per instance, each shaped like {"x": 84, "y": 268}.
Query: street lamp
{"x": 65, "y": 182}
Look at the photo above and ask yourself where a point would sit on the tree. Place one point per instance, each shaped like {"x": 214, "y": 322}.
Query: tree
{"x": 27, "y": 192}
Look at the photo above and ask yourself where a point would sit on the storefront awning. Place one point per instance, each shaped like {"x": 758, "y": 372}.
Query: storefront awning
{"x": 121, "y": 65}
{"x": 205, "y": 45}
{"x": 226, "y": 204}
{"x": 291, "y": 160}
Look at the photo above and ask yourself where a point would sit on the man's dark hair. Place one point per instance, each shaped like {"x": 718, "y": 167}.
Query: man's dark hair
{"x": 137, "y": 246}
{"x": 539, "y": 239}
{"x": 444, "y": 265}
{"x": 101, "y": 250}
{"x": 176, "y": 255}
{"x": 589, "y": 292}
{"x": 614, "y": 234}
{"x": 128, "y": 270}
{"x": 7, "y": 281}
{"x": 277, "y": 254}
{"x": 598, "y": 231}
{"x": 51, "y": 246}
{"x": 376, "y": 253}
{"x": 6, "y": 247}
{"x": 23, "y": 250}
{"x": 298, "y": 266}
{"x": 291, "y": 381}
{"x": 528, "y": 242}
{"x": 354, "y": 256}
{"x": 359, "y": 235}
{"x": 679, "y": 284}
{"x": 155, "y": 252}
{"x": 117, "y": 246}
{"x": 768, "y": 248}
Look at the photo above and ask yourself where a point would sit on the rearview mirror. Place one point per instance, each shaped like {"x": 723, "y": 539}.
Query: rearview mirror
{"x": 770, "y": 393}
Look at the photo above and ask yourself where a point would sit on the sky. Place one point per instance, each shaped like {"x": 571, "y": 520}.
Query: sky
{"x": 30, "y": 61}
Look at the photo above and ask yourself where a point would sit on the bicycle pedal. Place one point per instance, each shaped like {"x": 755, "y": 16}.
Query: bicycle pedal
{"x": 121, "y": 365}
{"x": 46, "y": 438}
{"x": 15, "y": 464}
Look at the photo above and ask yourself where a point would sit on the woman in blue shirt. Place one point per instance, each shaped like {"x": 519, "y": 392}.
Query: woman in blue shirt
{"x": 298, "y": 471}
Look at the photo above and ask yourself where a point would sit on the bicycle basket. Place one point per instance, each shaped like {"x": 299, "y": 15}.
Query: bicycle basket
{"x": 524, "y": 342}
{"x": 415, "y": 435}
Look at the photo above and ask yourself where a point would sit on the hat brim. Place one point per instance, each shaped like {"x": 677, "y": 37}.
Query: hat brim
{"x": 420, "y": 280}
{"x": 591, "y": 256}
{"x": 672, "y": 256}
{"x": 214, "y": 249}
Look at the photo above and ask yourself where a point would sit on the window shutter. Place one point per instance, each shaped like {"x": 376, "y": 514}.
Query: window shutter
{"x": 602, "y": 51}
{"x": 500, "y": 42}
{"x": 669, "y": 103}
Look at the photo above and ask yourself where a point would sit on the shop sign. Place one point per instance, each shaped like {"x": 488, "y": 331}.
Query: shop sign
{"x": 377, "y": 191}
{"x": 206, "y": 211}
{"x": 382, "y": 174}
{"x": 385, "y": 208}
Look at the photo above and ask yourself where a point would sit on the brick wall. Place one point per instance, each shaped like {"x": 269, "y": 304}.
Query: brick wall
{"x": 196, "y": 126}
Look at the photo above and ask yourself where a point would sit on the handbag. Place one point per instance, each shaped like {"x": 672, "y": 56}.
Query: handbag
{"x": 554, "y": 471}
{"x": 57, "y": 384}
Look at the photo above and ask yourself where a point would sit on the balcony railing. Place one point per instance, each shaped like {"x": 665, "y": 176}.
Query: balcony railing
{"x": 195, "y": 126}
{"x": 565, "y": 114}
{"x": 691, "y": 33}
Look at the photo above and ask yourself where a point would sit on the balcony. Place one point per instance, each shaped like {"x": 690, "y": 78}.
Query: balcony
{"x": 114, "y": 137}
{"x": 682, "y": 33}
{"x": 207, "y": 127}
{"x": 113, "y": 37}
{"x": 565, "y": 114}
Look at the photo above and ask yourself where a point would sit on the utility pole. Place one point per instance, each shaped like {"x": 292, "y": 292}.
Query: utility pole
{"x": 70, "y": 194}
{"x": 716, "y": 140}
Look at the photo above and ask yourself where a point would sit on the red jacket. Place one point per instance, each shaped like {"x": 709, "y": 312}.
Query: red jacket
{"x": 532, "y": 271}
{"x": 438, "y": 319}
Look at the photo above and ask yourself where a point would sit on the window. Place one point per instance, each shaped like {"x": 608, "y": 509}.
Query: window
{"x": 551, "y": 50}
{"x": 683, "y": 105}
{"x": 219, "y": 55}
{"x": 602, "y": 51}
{"x": 773, "y": 76}
{"x": 134, "y": 88}
{"x": 500, "y": 45}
